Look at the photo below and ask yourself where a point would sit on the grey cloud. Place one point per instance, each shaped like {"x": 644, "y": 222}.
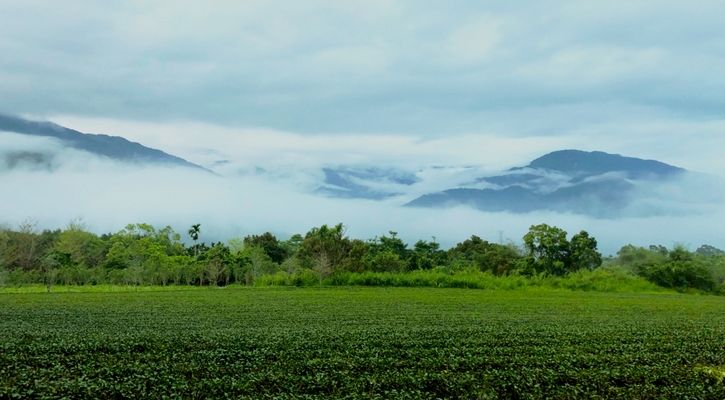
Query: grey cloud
{"x": 379, "y": 67}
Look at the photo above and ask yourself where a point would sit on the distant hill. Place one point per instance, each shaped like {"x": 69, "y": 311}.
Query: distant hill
{"x": 113, "y": 147}
{"x": 583, "y": 163}
{"x": 591, "y": 183}
{"x": 371, "y": 183}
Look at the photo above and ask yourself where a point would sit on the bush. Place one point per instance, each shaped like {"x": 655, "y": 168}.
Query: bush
{"x": 613, "y": 279}
{"x": 680, "y": 275}
{"x": 303, "y": 277}
{"x": 19, "y": 277}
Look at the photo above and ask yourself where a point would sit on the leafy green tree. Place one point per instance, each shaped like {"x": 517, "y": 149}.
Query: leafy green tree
{"x": 386, "y": 261}
{"x": 583, "y": 252}
{"x": 269, "y": 243}
{"x": 257, "y": 263}
{"x": 292, "y": 245}
{"x": 355, "y": 260}
{"x": 26, "y": 245}
{"x": 82, "y": 247}
{"x": 547, "y": 249}
{"x": 236, "y": 245}
{"x": 325, "y": 249}
{"x": 5, "y": 247}
{"x": 659, "y": 249}
{"x": 51, "y": 265}
{"x": 677, "y": 268}
{"x": 387, "y": 253}
{"x": 218, "y": 261}
{"x": 707, "y": 250}
{"x": 636, "y": 258}
{"x": 392, "y": 244}
{"x": 427, "y": 255}
{"x": 680, "y": 274}
{"x": 143, "y": 252}
{"x": 498, "y": 259}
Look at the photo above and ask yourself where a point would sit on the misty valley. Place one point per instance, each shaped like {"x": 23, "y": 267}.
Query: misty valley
{"x": 599, "y": 191}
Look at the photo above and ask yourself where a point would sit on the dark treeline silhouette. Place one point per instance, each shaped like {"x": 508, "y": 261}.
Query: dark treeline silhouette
{"x": 142, "y": 254}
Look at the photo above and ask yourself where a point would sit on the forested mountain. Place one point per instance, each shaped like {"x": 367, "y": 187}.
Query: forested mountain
{"x": 113, "y": 147}
{"x": 590, "y": 183}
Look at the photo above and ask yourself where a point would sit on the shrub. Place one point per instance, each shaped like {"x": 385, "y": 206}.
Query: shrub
{"x": 680, "y": 275}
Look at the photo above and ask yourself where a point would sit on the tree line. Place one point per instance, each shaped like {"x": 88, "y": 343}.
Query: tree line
{"x": 141, "y": 254}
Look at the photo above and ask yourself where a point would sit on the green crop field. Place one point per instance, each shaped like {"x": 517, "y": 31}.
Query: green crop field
{"x": 361, "y": 343}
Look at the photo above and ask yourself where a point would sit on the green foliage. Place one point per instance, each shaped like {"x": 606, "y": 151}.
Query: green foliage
{"x": 141, "y": 254}
{"x": 707, "y": 250}
{"x": 495, "y": 258}
{"x": 194, "y": 232}
{"x": 218, "y": 263}
{"x": 385, "y": 261}
{"x": 677, "y": 268}
{"x": 269, "y": 244}
{"x": 325, "y": 250}
{"x": 304, "y": 277}
{"x": 583, "y": 252}
{"x": 637, "y": 258}
{"x": 80, "y": 246}
{"x": 680, "y": 275}
{"x": 427, "y": 255}
{"x": 548, "y": 251}
{"x": 255, "y": 263}
{"x": 361, "y": 343}
{"x": 602, "y": 280}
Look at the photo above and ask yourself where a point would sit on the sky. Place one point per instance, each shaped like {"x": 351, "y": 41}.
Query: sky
{"x": 402, "y": 83}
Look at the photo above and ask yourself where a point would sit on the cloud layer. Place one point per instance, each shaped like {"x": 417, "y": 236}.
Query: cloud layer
{"x": 376, "y": 66}
{"x": 108, "y": 195}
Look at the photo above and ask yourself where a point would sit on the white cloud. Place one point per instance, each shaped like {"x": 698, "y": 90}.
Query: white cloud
{"x": 472, "y": 43}
{"x": 231, "y": 207}
{"x": 587, "y": 66}
{"x": 206, "y": 143}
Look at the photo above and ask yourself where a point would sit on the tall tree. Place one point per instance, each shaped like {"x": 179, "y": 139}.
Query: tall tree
{"x": 269, "y": 243}
{"x": 27, "y": 241}
{"x": 325, "y": 249}
{"x": 194, "y": 232}
{"x": 547, "y": 249}
{"x": 583, "y": 252}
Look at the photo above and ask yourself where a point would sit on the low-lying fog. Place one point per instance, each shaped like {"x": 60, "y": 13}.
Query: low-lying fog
{"x": 68, "y": 184}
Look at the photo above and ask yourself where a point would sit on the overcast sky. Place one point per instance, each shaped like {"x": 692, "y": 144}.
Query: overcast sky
{"x": 634, "y": 76}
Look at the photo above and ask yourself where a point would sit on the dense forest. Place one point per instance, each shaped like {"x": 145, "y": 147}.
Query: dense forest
{"x": 142, "y": 254}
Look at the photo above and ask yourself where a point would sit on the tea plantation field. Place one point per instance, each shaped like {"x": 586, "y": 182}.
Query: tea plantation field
{"x": 361, "y": 343}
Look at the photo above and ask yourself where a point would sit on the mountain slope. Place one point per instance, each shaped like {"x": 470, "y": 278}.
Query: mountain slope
{"x": 590, "y": 183}
{"x": 372, "y": 183}
{"x": 597, "y": 162}
{"x": 113, "y": 147}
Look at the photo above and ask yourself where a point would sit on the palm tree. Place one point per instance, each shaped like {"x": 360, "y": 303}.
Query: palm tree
{"x": 194, "y": 232}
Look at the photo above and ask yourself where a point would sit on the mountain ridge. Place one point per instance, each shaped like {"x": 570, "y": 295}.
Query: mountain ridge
{"x": 594, "y": 183}
{"x": 599, "y": 162}
{"x": 114, "y": 147}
